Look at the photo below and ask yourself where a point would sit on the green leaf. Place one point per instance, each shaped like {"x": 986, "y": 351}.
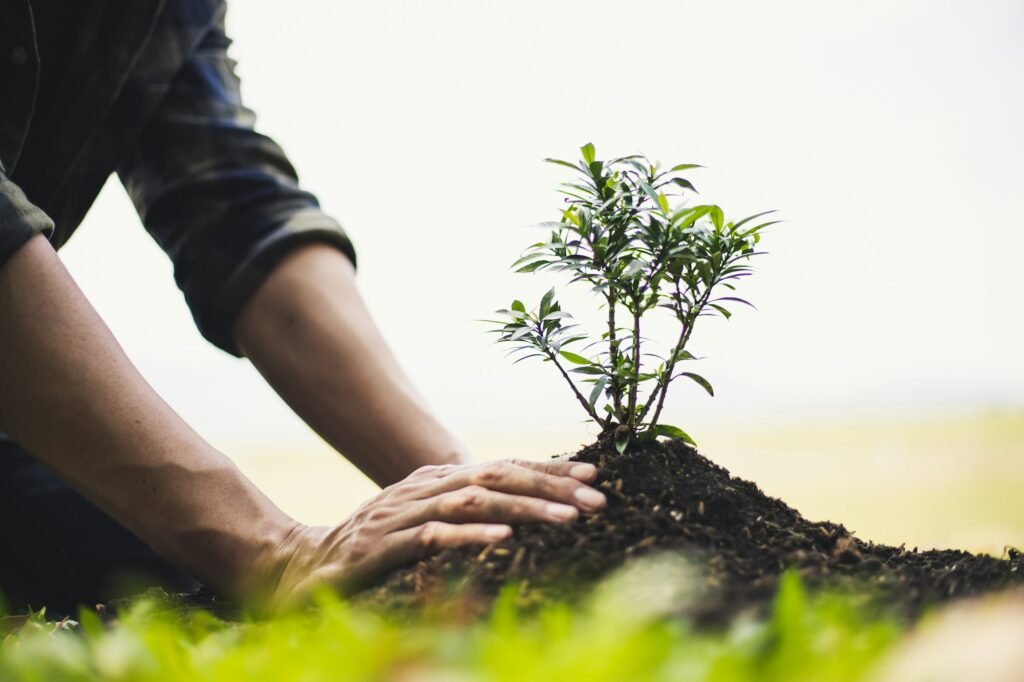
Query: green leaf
{"x": 648, "y": 435}
{"x": 663, "y": 203}
{"x": 573, "y": 339}
{"x": 701, "y": 381}
{"x": 725, "y": 313}
{"x": 717, "y": 217}
{"x": 674, "y": 432}
{"x": 596, "y": 392}
{"x": 752, "y": 217}
{"x": 519, "y": 333}
{"x": 545, "y": 302}
{"x": 622, "y": 440}
{"x": 756, "y": 228}
{"x": 533, "y": 355}
{"x": 649, "y": 191}
{"x": 736, "y": 300}
{"x": 588, "y": 153}
{"x": 684, "y": 166}
{"x": 686, "y": 217}
{"x": 685, "y": 184}
{"x": 562, "y": 163}
{"x": 574, "y": 358}
{"x": 535, "y": 265}
{"x": 527, "y": 258}
{"x": 684, "y": 355}
{"x": 518, "y": 306}
{"x": 633, "y": 268}
{"x": 588, "y": 369}
{"x": 570, "y": 215}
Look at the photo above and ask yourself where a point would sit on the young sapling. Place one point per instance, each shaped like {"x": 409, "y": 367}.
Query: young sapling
{"x": 628, "y": 233}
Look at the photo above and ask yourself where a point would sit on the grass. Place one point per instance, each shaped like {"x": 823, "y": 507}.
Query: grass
{"x": 825, "y": 638}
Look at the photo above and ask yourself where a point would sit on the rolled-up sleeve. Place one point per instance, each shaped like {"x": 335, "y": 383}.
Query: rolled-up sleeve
{"x": 220, "y": 198}
{"x": 20, "y": 219}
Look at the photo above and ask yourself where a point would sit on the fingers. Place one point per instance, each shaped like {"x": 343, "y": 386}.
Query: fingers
{"x": 360, "y": 566}
{"x": 476, "y": 504}
{"x": 581, "y": 471}
{"x": 418, "y": 542}
{"x": 438, "y": 507}
{"x": 543, "y": 481}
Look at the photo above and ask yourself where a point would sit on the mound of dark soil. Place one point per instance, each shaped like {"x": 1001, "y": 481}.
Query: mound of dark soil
{"x": 666, "y": 496}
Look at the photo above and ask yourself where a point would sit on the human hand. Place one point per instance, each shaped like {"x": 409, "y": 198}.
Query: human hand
{"x": 434, "y": 508}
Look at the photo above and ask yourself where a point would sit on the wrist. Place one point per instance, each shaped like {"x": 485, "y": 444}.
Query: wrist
{"x": 292, "y": 567}
{"x": 226, "y": 532}
{"x": 269, "y": 556}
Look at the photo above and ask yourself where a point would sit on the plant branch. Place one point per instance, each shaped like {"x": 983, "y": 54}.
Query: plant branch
{"x": 613, "y": 354}
{"x": 572, "y": 384}
{"x": 634, "y": 388}
{"x": 661, "y": 390}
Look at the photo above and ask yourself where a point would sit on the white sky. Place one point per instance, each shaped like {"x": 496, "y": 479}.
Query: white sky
{"x": 887, "y": 134}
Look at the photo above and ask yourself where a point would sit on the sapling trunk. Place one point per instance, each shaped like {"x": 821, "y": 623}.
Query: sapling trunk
{"x": 634, "y": 386}
{"x": 613, "y": 355}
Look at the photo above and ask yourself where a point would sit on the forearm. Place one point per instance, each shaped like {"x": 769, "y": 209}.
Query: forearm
{"x": 309, "y": 333}
{"x": 71, "y": 396}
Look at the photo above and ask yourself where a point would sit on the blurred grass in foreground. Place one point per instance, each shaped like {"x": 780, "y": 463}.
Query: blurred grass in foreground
{"x": 824, "y": 639}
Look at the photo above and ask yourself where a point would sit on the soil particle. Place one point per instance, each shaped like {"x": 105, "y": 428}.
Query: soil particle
{"x": 666, "y": 496}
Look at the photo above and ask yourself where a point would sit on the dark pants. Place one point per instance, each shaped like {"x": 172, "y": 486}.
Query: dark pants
{"x": 60, "y": 551}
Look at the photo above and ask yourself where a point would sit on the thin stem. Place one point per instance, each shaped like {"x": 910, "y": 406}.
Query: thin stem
{"x": 661, "y": 390}
{"x": 635, "y": 384}
{"x": 613, "y": 354}
{"x": 684, "y": 338}
{"x": 579, "y": 396}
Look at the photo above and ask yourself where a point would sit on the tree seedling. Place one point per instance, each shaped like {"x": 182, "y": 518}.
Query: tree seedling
{"x": 628, "y": 233}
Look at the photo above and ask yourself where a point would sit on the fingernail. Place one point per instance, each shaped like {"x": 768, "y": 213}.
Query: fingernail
{"x": 561, "y": 512}
{"x": 495, "y": 533}
{"x": 583, "y": 472}
{"x": 589, "y": 497}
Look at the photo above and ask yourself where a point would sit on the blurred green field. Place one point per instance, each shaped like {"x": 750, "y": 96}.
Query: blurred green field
{"x": 824, "y": 639}
{"x": 951, "y": 481}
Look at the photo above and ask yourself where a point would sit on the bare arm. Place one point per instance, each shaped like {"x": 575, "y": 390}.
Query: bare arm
{"x": 310, "y": 334}
{"x": 71, "y": 396}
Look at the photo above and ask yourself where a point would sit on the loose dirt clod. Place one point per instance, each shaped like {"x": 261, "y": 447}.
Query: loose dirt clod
{"x": 666, "y": 496}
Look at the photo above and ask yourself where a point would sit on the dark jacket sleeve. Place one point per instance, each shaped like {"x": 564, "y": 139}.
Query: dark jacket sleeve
{"x": 20, "y": 219}
{"x": 220, "y": 198}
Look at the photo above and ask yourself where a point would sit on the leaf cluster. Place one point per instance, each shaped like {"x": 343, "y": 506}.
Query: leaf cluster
{"x": 628, "y": 232}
